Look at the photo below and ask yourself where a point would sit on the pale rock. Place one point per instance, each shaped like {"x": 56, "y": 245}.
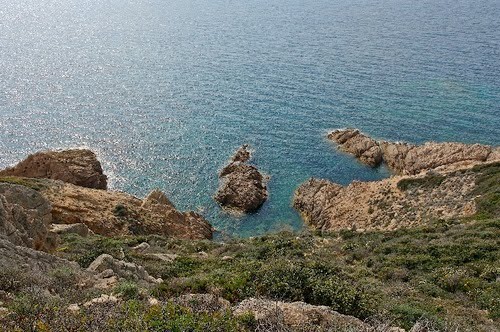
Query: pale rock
{"x": 141, "y": 247}
{"x": 78, "y": 228}
{"x": 103, "y": 299}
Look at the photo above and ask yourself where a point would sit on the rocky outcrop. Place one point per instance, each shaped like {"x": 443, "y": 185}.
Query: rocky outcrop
{"x": 106, "y": 266}
{"x": 298, "y": 315}
{"x": 410, "y": 159}
{"x": 111, "y": 213}
{"x": 366, "y": 149}
{"x": 79, "y": 167}
{"x": 400, "y": 201}
{"x": 242, "y": 187}
{"x": 25, "y": 217}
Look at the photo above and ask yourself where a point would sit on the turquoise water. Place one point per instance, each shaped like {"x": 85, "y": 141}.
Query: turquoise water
{"x": 165, "y": 90}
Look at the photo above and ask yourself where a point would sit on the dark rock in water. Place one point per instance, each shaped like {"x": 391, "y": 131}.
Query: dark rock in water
{"x": 78, "y": 167}
{"x": 242, "y": 187}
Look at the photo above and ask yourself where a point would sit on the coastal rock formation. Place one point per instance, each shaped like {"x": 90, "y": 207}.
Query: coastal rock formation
{"x": 410, "y": 159}
{"x": 399, "y": 201}
{"x": 242, "y": 187}
{"x": 298, "y": 315}
{"x": 79, "y": 167}
{"x": 68, "y": 181}
{"x": 352, "y": 141}
{"x": 25, "y": 217}
{"x": 111, "y": 213}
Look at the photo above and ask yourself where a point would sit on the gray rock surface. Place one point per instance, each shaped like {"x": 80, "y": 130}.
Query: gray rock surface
{"x": 298, "y": 315}
{"x": 78, "y": 228}
{"x": 121, "y": 269}
{"x": 25, "y": 216}
{"x": 30, "y": 260}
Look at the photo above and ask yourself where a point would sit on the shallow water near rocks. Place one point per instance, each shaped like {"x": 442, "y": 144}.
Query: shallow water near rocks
{"x": 166, "y": 91}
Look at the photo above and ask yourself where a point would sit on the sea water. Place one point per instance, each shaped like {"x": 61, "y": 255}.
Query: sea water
{"x": 166, "y": 90}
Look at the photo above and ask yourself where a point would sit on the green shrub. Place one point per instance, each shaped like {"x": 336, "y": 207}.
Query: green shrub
{"x": 129, "y": 290}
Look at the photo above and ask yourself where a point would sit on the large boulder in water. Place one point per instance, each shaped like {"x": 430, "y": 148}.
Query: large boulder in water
{"x": 242, "y": 187}
{"x": 79, "y": 167}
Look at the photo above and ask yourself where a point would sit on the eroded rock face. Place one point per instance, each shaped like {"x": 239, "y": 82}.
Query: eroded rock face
{"x": 79, "y": 167}
{"x": 298, "y": 315}
{"x": 400, "y": 201}
{"x": 25, "y": 217}
{"x": 242, "y": 187}
{"x": 404, "y": 158}
{"x": 112, "y": 213}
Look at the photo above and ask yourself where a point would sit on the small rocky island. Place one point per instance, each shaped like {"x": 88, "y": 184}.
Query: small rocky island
{"x": 242, "y": 187}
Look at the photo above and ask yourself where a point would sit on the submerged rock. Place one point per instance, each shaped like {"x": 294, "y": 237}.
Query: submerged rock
{"x": 404, "y": 158}
{"x": 79, "y": 167}
{"x": 242, "y": 187}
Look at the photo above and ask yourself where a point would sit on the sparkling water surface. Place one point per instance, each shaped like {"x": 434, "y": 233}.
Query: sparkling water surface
{"x": 166, "y": 90}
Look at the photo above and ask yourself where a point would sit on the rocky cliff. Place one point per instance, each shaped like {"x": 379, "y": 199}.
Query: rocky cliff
{"x": 79, "y": 167}
{"x": 112, "y": 213}
{"x": 65, "y": 188}
{"x": 405, "y": 158}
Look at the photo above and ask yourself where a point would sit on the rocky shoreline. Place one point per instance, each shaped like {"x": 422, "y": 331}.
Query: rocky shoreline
{"x": 411, "y": 159}
{"x": 55, "y": 194}
{"x": 431, "y": 181}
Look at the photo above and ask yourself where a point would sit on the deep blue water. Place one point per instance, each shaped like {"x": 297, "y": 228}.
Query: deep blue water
{"x": 165, "y": 90}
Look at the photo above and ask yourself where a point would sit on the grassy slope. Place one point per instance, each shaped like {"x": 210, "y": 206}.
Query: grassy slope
{"x": 445, "y": 272}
